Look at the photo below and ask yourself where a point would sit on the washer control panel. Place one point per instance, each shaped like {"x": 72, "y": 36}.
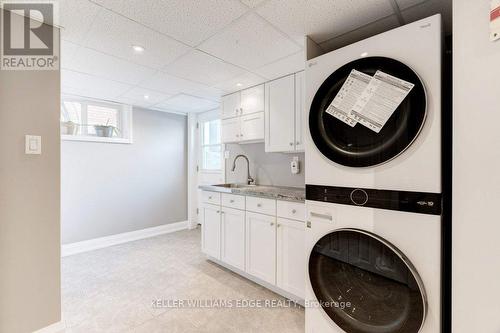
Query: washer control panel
{"x": 415, "y": 202}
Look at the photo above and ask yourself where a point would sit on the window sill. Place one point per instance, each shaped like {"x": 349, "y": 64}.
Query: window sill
{"x": 95, "y": 139}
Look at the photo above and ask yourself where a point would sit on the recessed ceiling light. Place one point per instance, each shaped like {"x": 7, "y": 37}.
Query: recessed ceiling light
{"x": 364, "y": 54}
{"x": 137, "y": 48}
{"x": 239, "y": 84}
{"x": 146, "y": 97}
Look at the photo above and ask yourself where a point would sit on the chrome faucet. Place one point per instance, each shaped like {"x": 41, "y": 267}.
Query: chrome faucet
{"x": 250, "y": 180}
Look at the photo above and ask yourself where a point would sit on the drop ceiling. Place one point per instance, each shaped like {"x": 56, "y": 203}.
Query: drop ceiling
{"x": 195, "y": 51}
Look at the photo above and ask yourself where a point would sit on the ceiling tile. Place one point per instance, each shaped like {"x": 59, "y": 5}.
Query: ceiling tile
{"x": 142, "y": 97}
{"x": 241, "y": 82}
{"x": 211, "y": 93}
{"x": 364, "y": 32}
{"x": 322, "y": 19}
{"x": 403, "y": 4}
{"x": 90, "y": 86}
{"x": 68, "y": 52}
{"x": 109, "y": 67}
{"x": 428, "y": 8}
{"x": 252, "y": 3}
{"x": 187, "y": 103}
{"x": 187, "y": 21}
{"x": 201, "y": 67}
{"x": 170, "y": 84}
{"x": 115, "y": 35}
{"x": 250, "y": 42}
{"x": 76, "y": 17}
{"x": 292, "y": 64}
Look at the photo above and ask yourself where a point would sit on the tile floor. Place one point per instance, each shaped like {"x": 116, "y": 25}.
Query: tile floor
{"x": 112, "y": 290}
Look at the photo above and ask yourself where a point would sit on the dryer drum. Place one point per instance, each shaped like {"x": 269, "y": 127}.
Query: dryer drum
{"x": 365, "y": 285}
{"x": 359, "y": 146}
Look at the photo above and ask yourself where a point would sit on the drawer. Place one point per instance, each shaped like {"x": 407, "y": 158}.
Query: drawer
{"x": 233, "y": 201}
{"x": 211, "y": 197}
{"x": 261, "y": 205}
{"x": 291, "y": 210}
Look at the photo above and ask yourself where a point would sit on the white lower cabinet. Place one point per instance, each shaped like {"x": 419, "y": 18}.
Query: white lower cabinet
{"x": 291, "y": 256}
{"x": 262, "y": 237}
{"x": 233, "y": 237}
{"x": 261, "y": 246}
{"x": 210, "y": 230}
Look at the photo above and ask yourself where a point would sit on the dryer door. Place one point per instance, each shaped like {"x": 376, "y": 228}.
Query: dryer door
{"x": 359, "y": 146}
{"x": 365, "y": 285}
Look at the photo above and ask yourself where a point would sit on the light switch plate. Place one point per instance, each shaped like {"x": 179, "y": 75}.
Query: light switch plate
{"x": 33, "y": 145}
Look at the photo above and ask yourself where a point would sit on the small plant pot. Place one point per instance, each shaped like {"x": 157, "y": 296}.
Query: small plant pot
{"x": 104, "y": 131}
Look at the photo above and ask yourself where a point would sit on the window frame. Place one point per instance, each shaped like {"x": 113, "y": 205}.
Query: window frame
{"x": 124, "y": 120}
{"x": 201, "y": 122}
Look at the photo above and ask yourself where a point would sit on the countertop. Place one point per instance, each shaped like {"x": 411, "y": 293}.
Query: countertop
{"x": 297, "y": 194}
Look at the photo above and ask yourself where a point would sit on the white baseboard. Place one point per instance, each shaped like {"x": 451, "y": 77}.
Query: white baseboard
{"x": 99, "y": 243}
{"x": 54, "y": 328}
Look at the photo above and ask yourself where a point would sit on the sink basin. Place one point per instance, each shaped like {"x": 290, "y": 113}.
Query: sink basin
{"x": 234, "y": 185}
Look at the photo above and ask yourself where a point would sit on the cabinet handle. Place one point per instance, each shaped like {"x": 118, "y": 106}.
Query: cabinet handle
{"x": 259, "y": 205}
{"x": 298, "y": 142}
{"x": 218, "y": 212}
{"x": 291, "y": 143}
{"x": 271, "y": 224}
{"x": 237, "y": 135}
{"x": 241, "y": 110}
{"x": 322, "y": 216}
{"x": 241, "y": 134}
{"x": 231, "y": 201}
{"x": 294, "y": 211}
{"x": 278, "y": 225}
{"x": 210, "y": 197}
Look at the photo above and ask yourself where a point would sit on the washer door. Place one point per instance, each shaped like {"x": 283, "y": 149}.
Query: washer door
{"x": 365, "y": 285}
{"x": 359, "y": 146}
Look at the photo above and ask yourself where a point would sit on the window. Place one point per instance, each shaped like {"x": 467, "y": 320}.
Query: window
{"x": 211, "y": 147}
{"x": 91, "y": 120}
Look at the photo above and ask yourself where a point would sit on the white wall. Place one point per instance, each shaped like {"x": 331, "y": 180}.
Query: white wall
{"x": 30, "y": 295}
{"x": 265, "y": 168}
{"x": 476, "y": 165}
{"x": 114, "y": 188}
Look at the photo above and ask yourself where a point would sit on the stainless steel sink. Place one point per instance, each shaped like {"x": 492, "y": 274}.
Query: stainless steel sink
{"x": 229, "y": 186}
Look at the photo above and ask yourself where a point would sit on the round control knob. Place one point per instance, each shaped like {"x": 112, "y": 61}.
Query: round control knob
{"x": 359, "y": 197}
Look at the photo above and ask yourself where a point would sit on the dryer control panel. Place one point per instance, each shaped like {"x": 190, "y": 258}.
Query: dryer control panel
{"x": 406, "y": 201}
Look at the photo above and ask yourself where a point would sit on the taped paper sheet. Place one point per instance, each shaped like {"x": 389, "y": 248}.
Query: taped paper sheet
{"x": 350, "y": 92}
{"x": 495, "y": 20}
{"x": 379, "y": 100}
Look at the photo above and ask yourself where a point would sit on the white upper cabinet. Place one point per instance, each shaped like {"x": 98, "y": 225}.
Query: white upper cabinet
{"x": 300, "y": 113}
{"x": 284, "y": 112}
{"x": 252, "y": 100}
{"x": 243, "y": 116}
{"x": 231, "y": 105}
{"x": 252, "y": 127}
{"x": 230, "y": 130}
{"x": 280, "y": 115}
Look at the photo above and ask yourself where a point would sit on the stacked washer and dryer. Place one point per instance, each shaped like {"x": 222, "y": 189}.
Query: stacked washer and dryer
{"x": 374, "y": 200}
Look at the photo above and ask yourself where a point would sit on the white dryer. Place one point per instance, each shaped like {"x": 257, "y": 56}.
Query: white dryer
{"x": 374, "y": 200}
{"x": 406, "y": 153}
{"x": 372, "y": 270}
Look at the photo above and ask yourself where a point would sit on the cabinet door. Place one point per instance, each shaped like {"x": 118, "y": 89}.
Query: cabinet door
{"x": 230, "y": 130}
{"x": 291, "y": 259}
{"x": 261, "y": 246}
{"x": 280, "y": 115}
{"x": 230, "y": 105}
{"x": 210, "y": 230}
{"x": 252, "y": 100}
{"x": 233, "y": 237}
{"x": 299, "y": 111}
{"x": 252, "y": 127}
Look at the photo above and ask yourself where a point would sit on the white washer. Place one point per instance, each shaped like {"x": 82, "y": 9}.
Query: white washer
{"x": 377, "y": 197}
{"x": 418, "y": 168}
{"x": 414, "y": 236}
